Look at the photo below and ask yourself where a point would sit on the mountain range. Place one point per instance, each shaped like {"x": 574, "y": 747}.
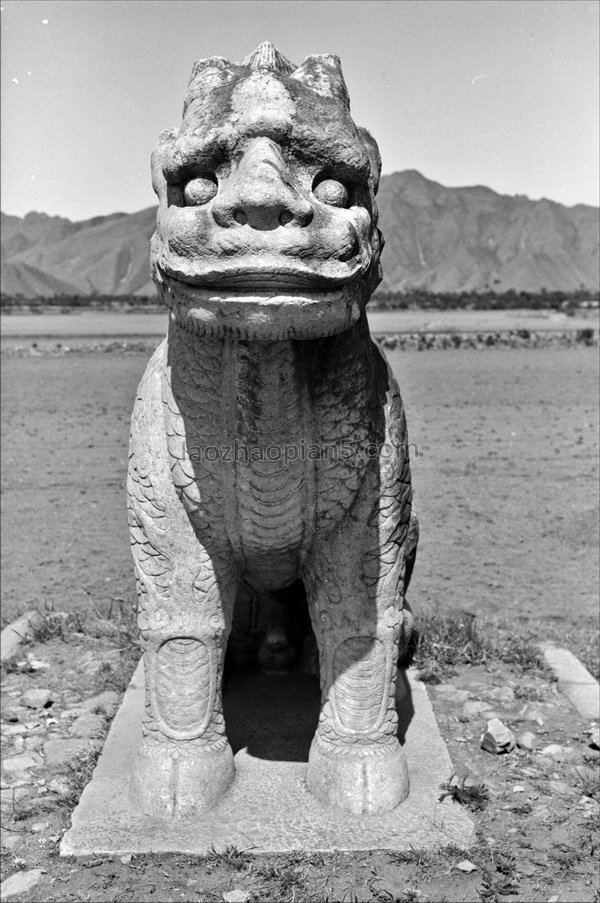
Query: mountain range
{"x": 437, "y": 238}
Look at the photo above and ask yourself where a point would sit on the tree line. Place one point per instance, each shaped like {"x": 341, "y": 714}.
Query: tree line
{"x": 417, "y": 299}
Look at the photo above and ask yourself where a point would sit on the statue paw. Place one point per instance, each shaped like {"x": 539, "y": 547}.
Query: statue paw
{"x": 176, "y": 780}
{"x": 363, "y": 779}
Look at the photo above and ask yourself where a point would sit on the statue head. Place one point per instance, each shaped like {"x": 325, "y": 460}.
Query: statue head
{"x": 266, "y": 224}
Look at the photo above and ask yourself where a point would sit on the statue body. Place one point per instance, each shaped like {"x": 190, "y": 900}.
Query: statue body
{"x": 268, "y": 441}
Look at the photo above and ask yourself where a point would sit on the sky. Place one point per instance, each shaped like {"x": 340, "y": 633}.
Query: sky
{"x": 502, "y": 93}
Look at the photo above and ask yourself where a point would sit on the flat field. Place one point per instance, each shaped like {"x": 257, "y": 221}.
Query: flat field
{"x": 504, "y": 470}
{"x": 104, "y": 324}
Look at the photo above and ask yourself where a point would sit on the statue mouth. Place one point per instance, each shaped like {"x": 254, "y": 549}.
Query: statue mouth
{"x": 260, "y": 303}
{"x": 257, "y": 281}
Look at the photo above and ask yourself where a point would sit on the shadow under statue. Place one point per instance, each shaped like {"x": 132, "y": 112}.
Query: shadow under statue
{"x": 268, "y": 445}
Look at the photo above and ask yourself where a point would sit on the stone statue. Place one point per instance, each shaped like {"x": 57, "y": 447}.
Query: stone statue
{"x": 268, "y": 440}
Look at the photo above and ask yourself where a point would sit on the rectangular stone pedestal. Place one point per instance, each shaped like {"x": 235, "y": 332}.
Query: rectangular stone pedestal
{"x": 270, "y": 722}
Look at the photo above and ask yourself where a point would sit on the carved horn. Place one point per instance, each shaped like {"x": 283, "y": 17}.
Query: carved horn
{"x": 267, "y": 58}
{"x": 322, "y": 73}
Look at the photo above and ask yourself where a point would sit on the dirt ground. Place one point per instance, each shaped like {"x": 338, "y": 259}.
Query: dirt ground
{"x": 535, "y": 810}
{"x": 504, "y": 473}
{"x": 505, "y": 476}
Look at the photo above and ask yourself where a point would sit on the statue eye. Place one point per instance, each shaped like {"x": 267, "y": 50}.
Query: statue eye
{"x": 332, "y": 192}
{"x": 200, "y": 190}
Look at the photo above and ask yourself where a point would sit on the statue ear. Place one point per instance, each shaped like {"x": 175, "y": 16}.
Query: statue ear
{"x": 370, "y": 145}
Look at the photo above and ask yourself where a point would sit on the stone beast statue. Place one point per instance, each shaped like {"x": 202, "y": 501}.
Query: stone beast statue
{"x": 268, "y": 439}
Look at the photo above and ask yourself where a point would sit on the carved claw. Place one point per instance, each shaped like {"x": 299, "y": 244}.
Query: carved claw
{"x": 360, "y": 779}
{"x": 171, "y": 780}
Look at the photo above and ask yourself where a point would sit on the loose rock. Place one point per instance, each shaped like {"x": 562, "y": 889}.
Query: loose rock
{"x": 20, "y": 883}
{"x": 19, "y": 763}
{"x": 60, "y": 752}
{"x": 475, "y": 708}
{"x": 60, "y": 786}
{"x": 531, "y": 713}
{"x": 107, "y": 702}
{"x": 37, "y": 699}
{"x": 501, "y": 694}
{"x": 236, "y": 896}
{"x": 88, "y": 725}
{"x": 497, "y": 738}
{"x": 557, "y": 752}
{"x": 11, "y": 841}
{"x": 527, "y": 740}
{"x": 451, "y": 694}
{"x": 466, "y": 866}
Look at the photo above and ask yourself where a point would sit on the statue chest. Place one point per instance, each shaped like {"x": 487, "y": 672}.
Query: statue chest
{"x": 267, "y": 444}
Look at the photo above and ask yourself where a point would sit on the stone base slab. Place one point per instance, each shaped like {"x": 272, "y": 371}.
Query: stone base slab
{"x": 270, "y": 720}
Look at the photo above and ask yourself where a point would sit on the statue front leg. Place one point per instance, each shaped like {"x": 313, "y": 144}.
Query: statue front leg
{"x": 356, "y": 605}
{"x": 185, "y": 603}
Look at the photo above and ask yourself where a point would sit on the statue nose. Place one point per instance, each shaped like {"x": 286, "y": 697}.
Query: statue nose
{"x": 260, "y": 193}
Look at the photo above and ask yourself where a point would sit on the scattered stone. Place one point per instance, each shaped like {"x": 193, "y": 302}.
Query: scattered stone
{"x": 13, "y": 764}
{"x": 501, "y": 694}
{"x": 237, "y": 895}
{"x": 451, "y": 694}
{"x": 37, "y": 699}
{"x": 14, "y": 714}
{"x": 35, "y": 664}
{"x": 20, "y": 883}
{"x": 560, "y": 787}
{"x": 126, "y": 859}
{"x": 39, "y": 827}
{"x": 11, "y": 841}
{"x": 11, "y": 730}
{"x": 595, "y": 738}
{"x": 527, "y": 740}
{"x": 60, "y": 785}
{"x": 497, "y": 738}
{"x": 474, "y": 708}
{"x": 60, "y": 752}
{"x": 466, "y": 866}
{"x": 13, "y": 635}
{"x": 107, "y": 702}
{"x": 531, "y": 713}
{"x": 557, "y": 752}
{"x": 88, "y": 725}
{"x": 71, "y": 713}
{"x": 528, "y": 869}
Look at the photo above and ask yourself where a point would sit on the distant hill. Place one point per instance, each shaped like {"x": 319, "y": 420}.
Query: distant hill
{"x": 439, "y": 239}
{"x": 460, "y": 239}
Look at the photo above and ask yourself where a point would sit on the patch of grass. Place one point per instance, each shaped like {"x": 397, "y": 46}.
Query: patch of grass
{"x": 529, "y": 693}
{"x": 520, "y": 651}
{"x": 14, "y": 666}
{"x": 231, "y": 856}
{"x": 472, "y": 796}
{"x": 81, "y": 768}
{"x": 283, "y": 882}
{"x": 116, "y": 677}
{"x": 442, "y": 642}
{"x": 51, "y": 624}
{"x": 424, "y": 861}
{"x": 589, "y": 782}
